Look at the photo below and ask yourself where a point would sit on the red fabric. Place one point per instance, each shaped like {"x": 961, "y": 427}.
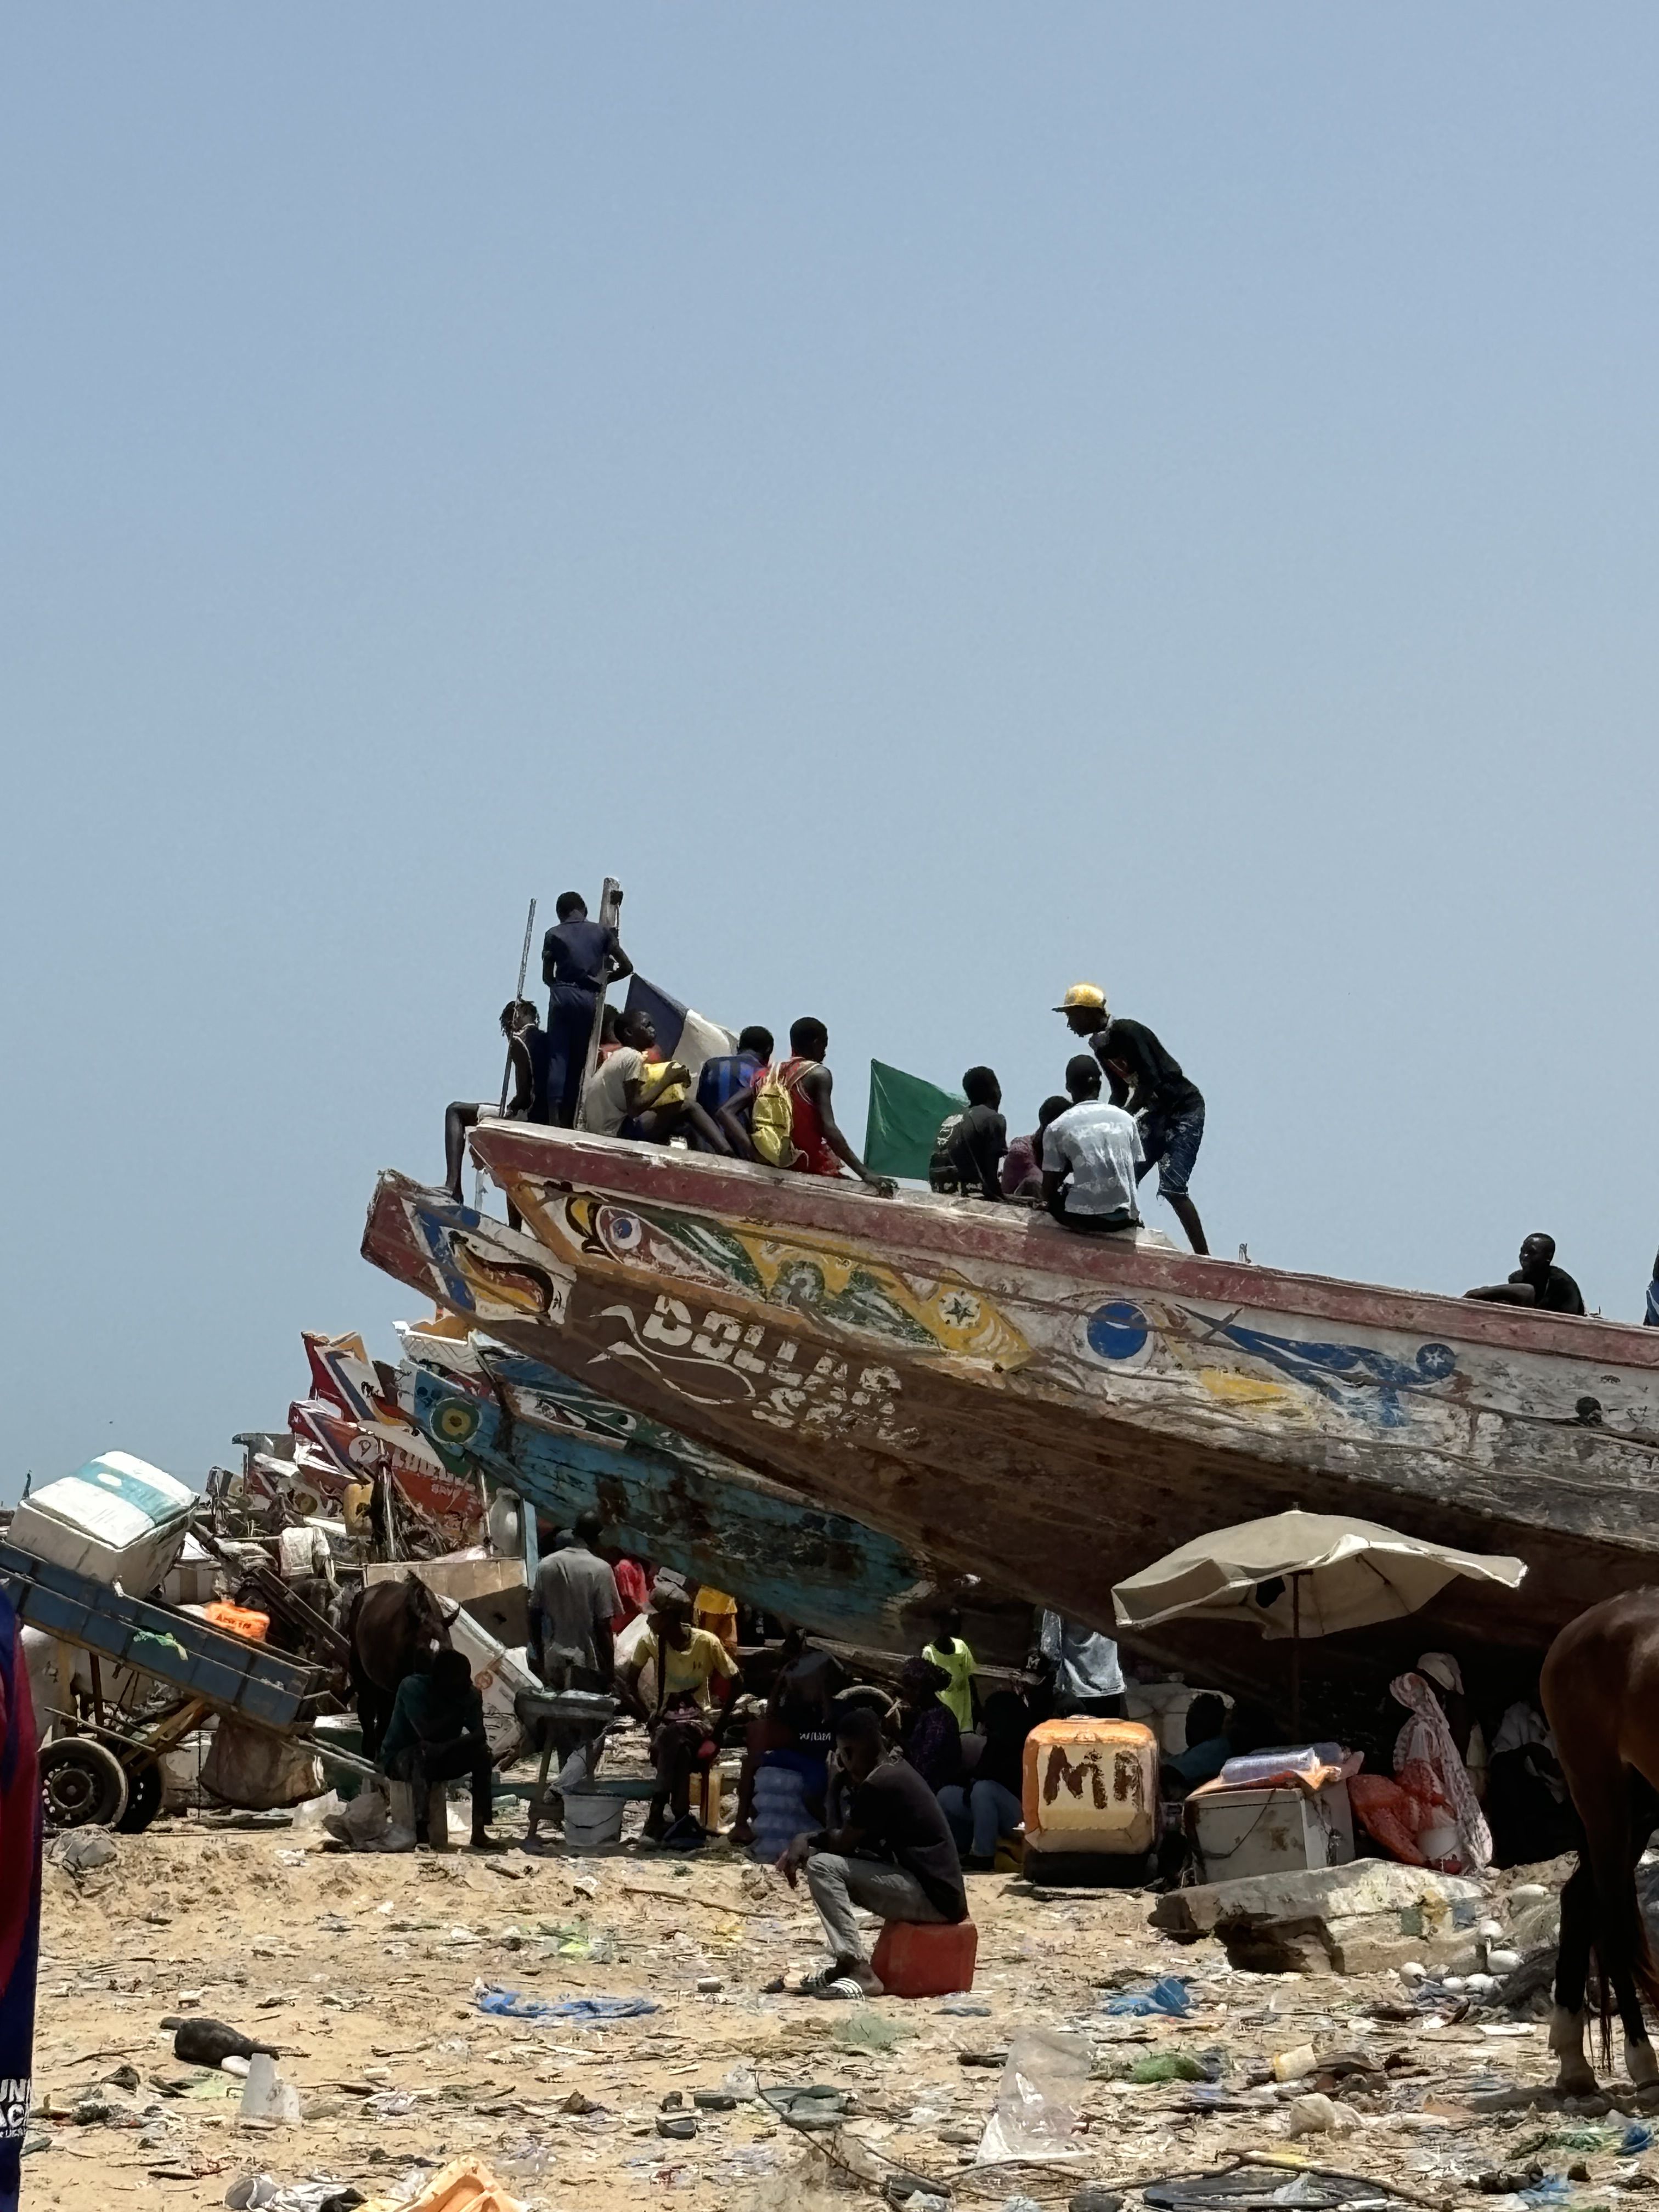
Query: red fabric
{"x": 633, "y": 1592}
{"x": 1387, "y": 1815}
{"x": 805, "y": 1127}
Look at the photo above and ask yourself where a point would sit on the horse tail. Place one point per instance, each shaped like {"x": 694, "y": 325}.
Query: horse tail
{"x": 1619, "y": 1945}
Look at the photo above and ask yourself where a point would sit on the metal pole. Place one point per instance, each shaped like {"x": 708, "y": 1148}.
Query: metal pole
{"x": 524, "y": 964}
{"x": 610, "y": 901}
{"x": 1296, "y": 1658}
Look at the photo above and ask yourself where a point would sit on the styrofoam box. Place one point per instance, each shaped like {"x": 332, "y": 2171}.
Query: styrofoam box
{"x": 1248, "y": 1831}
{"x": 118, "y": 1520}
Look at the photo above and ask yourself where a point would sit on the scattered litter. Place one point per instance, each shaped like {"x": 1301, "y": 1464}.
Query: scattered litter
{"x": 261, "y": 2192}
{"x": 266, "y": 2096}
{"x": 587, "y": 2012}
{"x": 868, "y": 2031}
{"x": 201, "y": 2040}
{"x": 82, "y": 1850}
{"x": 1168, "y": 2066}
{"x": 1039, "y": 2100}
{"x": 1169, "y": 1997}
{"x": 814, "y": 2110}
{"x": 1317, "y": 2115}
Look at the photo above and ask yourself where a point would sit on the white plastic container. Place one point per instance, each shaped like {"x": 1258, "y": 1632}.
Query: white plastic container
{"x": 593, "y": 1819}
{"x": 498, "y": 1675}
{"x": 1246, "y": 1832}
{"x": 118, "y": 1519}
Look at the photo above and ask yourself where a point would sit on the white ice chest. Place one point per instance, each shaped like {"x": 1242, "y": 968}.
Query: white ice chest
{"x": 117, "y": 1519}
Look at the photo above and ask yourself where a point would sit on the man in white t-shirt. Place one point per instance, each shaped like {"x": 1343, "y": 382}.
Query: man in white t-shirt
{"x": 1090, "y": 1155}
{"x": 624, "y": 1096}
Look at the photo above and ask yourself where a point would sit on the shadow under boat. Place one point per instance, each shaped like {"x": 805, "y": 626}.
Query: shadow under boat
{"x": 564, "y": 1449}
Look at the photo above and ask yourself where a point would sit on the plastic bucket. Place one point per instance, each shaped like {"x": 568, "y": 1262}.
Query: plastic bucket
{"x": 593, "y": 1819}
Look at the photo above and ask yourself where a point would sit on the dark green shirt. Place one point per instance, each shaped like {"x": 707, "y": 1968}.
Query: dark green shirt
{"x": 422, "y": 1715}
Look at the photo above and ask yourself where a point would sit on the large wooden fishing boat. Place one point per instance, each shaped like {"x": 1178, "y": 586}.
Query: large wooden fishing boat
{"x": 564, "y": 1449}
{"x": 1051, "y": 1411}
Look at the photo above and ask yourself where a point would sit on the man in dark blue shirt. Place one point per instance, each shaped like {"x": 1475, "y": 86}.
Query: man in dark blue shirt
{"x": 727, "y": 1076}
{"x": 579, "y": 960}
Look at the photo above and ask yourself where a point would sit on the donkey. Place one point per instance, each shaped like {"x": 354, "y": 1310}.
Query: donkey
{"x": 394, "y": 1628}
{"x": 1600, "y": 1694}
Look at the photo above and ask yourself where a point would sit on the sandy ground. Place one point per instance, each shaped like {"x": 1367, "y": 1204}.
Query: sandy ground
{"x": 363, "y": 1971}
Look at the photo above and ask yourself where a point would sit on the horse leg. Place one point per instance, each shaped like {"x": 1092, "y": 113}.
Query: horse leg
{"x": 1640, "y": 2063}
{"x": 1574, "y": 2077}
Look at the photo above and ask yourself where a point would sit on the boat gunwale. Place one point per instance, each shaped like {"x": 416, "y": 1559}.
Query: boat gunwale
{"x": 640, "y": 1174}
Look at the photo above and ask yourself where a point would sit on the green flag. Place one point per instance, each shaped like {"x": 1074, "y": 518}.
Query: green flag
{"x": 905, "y": 1113}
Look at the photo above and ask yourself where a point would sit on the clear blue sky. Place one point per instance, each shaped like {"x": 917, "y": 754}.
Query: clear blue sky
{"x": 941, "y": 500}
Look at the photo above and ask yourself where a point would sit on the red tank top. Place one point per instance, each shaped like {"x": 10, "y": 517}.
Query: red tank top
{"x": 805, "y": 1127}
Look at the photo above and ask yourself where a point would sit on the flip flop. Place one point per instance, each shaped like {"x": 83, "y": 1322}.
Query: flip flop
{"x": 827, "y": 1982}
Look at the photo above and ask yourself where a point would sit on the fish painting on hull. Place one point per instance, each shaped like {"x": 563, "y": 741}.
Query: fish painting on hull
{"x": 1362, "y": 1380}
{"x": 816, "y": 1278}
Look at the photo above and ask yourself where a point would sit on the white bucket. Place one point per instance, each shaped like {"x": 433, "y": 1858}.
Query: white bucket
{"x": 593, "y": 1819}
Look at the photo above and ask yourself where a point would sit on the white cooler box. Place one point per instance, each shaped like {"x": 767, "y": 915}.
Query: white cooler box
{"x": 1244, "y": 1832}
{"x": 118, "y": 1520}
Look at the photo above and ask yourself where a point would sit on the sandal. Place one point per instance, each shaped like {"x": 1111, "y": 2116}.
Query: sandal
{"x": 827, "y": 1982}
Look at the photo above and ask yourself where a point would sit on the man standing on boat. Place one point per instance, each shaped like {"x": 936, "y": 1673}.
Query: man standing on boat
{"x": 579, "y": 960}
{"x": 1537, "y": 1282}
{"x": 1148, "y": 1080}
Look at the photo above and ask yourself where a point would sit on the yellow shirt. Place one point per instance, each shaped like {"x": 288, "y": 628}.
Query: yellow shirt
{"x": 957, "y": 1696}
{"x": 689, "y": 1671}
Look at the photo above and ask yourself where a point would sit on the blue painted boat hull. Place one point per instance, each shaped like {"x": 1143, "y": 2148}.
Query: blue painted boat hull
{"x": 564, "y": 1449}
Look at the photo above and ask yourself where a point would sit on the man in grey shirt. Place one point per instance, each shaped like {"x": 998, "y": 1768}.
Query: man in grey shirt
{"x": 576, "y": 1598}
{"x": 1088, "y": 1679}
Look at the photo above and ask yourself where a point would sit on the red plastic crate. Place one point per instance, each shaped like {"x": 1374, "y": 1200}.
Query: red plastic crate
{"x": 913, "y": 1961}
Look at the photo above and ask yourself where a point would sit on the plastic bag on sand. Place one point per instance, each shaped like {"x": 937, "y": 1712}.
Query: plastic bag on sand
{"x": 1317, "y": 2115}
{"x": 1039, "y": 2098}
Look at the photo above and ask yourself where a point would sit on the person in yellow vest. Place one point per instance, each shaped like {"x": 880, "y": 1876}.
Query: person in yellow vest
{"x": 718, "y": 1613}
{"x": 957, "y": 1663}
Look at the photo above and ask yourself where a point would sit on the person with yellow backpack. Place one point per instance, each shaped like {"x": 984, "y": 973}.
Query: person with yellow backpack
{"x": 785, "y": 1119}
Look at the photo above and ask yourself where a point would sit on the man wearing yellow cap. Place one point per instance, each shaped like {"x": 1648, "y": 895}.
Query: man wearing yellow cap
{"x": 1148, "y": 1080}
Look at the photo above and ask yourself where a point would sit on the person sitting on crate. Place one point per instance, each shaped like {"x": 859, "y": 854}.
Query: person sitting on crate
{"x": 888, "y": 1849}
{"x": 436, "y": 1735}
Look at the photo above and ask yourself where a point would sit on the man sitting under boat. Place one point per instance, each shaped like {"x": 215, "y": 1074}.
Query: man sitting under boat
{"x": 785, "y": 1119}
{"x": 631, "y": 1095}
{"x": 888, "y": 1848}
{"x": 1089, "y": 1155}
{"x": 436, "y": 1735}
{"x": 690, "y": 1662}
{"x": 1537, "y": 1282}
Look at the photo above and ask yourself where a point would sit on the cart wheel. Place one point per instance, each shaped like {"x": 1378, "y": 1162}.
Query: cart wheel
{"x": 144, "y": 1775}
{"x": 82, "y": 1785}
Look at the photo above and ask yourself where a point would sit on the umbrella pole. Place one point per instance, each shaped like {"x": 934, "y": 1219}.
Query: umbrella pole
{"x": 1296, "y": 1658}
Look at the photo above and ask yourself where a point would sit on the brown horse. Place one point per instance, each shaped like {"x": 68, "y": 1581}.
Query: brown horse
{"x": 1601, "y": 1693}
{"x": 394, "y": 1628}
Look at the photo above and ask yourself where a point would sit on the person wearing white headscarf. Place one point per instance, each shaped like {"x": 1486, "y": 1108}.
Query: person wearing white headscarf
{"x": 1427, "y": 1740}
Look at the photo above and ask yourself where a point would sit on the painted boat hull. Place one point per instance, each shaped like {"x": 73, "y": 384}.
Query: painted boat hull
{"x": 676, "y": 1502}
{"x": 1052, "y": 1410}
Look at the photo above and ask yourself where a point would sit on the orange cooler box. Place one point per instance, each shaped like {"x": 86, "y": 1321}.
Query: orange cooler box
{"x": 1090, "y": 1786}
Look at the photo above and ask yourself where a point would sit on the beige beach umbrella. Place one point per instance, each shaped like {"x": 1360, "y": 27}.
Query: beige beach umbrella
{"x": 1301, "y": 1574}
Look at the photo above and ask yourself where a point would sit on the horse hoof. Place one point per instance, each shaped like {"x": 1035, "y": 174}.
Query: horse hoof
{"x": 1575, "y": 2081}
{"x": 1642, "y": 2064}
